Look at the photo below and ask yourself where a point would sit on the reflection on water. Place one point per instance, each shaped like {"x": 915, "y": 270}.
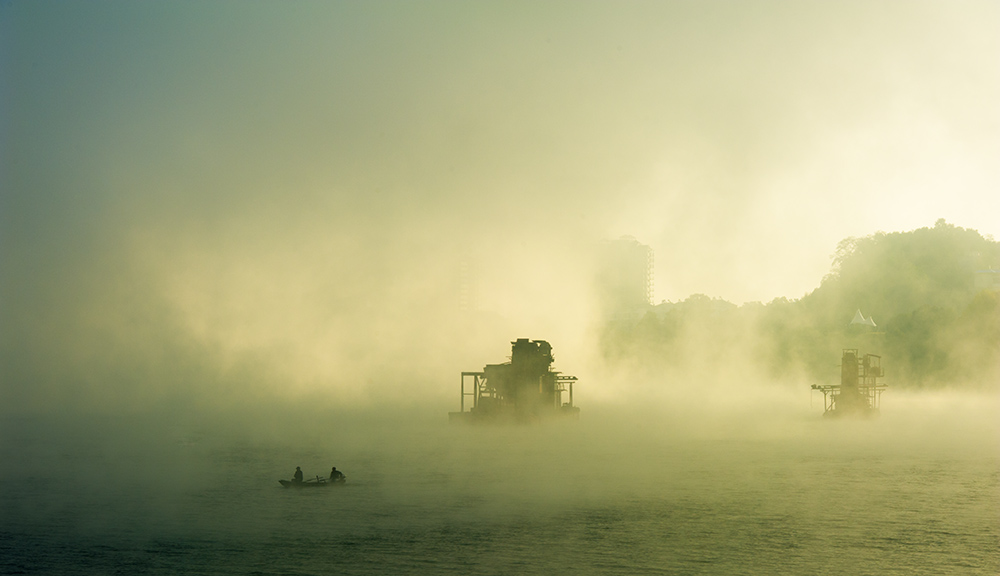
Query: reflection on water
{"x": 610, "y": 494}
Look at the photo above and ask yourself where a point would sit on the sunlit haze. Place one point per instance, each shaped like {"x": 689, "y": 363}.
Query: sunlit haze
{"x": 302, "y": 182}
{"x": 241, "y": 238}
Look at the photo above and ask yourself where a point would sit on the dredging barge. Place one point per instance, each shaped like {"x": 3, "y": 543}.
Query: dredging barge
{"x": 859, "y": 393}
{"x": 524, "y": 389}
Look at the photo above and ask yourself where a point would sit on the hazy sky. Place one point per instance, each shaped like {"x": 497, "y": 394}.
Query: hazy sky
{"x": 306, "y": 176}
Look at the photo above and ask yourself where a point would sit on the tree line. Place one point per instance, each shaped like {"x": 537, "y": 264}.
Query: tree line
{"x": 928, "y": 290}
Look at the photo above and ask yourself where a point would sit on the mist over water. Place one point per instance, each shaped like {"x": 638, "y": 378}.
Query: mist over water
{"x": 660, "y": 488}
{"x": 236, "y": 240}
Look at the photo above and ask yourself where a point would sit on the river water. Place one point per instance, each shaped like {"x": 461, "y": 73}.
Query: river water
{"x": 617, "y": 492}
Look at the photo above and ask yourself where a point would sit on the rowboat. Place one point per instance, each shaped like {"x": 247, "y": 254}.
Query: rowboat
{"x": 312, "y": 483}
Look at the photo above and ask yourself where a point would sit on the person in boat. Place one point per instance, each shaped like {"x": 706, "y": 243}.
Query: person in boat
{"x": 336, "y": 475}
{"x": 298, "y": 475}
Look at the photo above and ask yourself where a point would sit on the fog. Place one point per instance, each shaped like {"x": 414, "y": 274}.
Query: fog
{"x": 206, "y": 207}
{"x": 238, "y": 238}
{"x": 927, "y": 466}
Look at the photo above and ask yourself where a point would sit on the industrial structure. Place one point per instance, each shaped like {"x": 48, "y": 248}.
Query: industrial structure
{"x": 859, "y": 392}
{"x": 524, "y": 389}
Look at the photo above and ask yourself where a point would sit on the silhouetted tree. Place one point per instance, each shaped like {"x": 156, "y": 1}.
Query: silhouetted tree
{"x": 934, "y": 327}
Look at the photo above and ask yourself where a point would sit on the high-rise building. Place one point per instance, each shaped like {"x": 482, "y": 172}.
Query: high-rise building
{"x": 467, "y": 286}
{"x": 625, "y": 278}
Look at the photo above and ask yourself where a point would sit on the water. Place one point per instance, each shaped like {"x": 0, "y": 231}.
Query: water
{"x": 615, "y": 493}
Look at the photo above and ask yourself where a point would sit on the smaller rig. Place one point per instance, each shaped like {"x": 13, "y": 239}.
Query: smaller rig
{"x": 524, "y": 389}
{"x": 859, "y": 392}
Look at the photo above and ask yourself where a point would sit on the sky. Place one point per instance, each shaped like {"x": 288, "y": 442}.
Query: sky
{"x": 285, "y": 193}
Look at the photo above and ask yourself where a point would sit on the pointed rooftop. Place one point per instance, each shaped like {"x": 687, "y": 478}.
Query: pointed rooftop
{"x": 859, "y": 318}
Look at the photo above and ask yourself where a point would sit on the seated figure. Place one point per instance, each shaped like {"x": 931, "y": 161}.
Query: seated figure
{"x": 336, "y": 475}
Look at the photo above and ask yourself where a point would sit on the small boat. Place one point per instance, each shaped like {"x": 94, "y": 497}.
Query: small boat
{"x": 313, "y": 482}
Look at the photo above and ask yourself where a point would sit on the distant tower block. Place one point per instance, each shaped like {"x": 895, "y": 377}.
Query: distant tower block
{"x": 467, "y": 292}
{"x": 625, "y": 277}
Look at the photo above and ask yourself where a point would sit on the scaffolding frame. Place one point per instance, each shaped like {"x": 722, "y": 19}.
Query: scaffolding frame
{"x": 479, "y": 388}
{"x": 862, "y": 378}
{"x": 564, "y": 383}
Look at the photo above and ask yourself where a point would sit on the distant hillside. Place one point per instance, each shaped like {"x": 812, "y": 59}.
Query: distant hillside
{"x": 936, "y": 323}
{"x": 891, "y": 274}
